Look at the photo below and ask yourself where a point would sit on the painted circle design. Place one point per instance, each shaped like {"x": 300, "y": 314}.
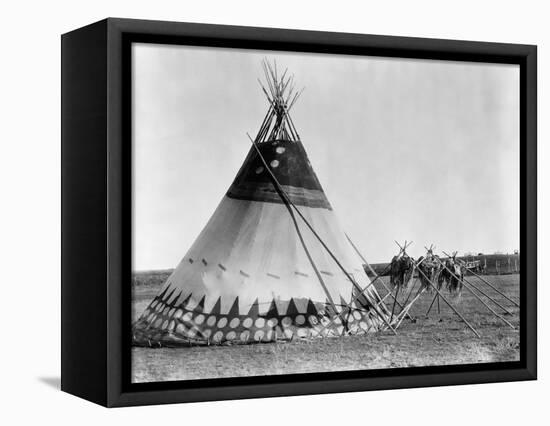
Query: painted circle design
{"x": 222, "y": 322}
{"x": 211, "y": 320}
{"x": 269, "y": 334}
{"x": 313, "y": 320}
{"x": 286, "y": 322}
{"x": 234, "y": 322}
{"x": 245, "y": 335}
{"x": 272, "y": 322}
{"x": 158, "y": 322}
{"x": 171, "y": 325}
{"x": 180, "y": 328}
{"x": 288, "y": 333}
{"x": 206, "y": 333}
{"x": 218, "y": 336}
{"x": 274, "y": 163}
{"x": 357, "y": 315}
{"x": 302, "y": 332}
{"x": 199, "y": 319}
{"x": 260, "y": 322}
{"x": 178, "y": 314}
{"x": 364, "y": 325}
{"x": 337, "y": 321}
{"x": 300, "y": 320}
{"x": 279, "y": 150}
{"x": 259, "y": 170}
{"x": 231, "y": 335}
{"x": 187, "y": 316}
{"x": 191, "y": 332}
{"x": 258, "y": 335}
{"x": 247, "y": 322}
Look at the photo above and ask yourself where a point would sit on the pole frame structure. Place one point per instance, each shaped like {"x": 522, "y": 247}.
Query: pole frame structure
{"x": 489, "y": 284}
{"x": 377, "y": 276}
{"x": 467, "y": 286}
{"x": 449, "y": 304}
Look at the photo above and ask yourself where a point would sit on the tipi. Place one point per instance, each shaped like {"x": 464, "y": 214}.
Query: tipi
{"x": 272, "y": 262}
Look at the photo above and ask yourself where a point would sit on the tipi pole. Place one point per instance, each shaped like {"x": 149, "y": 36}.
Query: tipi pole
{"x": 449, "y": 304}
{"x": 431, "y": 304}
{"x": 494, "y": 288}
{"x": 467, "y": 286}
{"x": 287, "y": 202}
{"x": 320, "y": 278}
{"x": 377, "y": 276}
{"x": 394, "y": 301}
{"x": 410, "y": 293}
{"x": 488, "y": 297}
{"x": 265, "y": 125}
{"x": 490, "y": 285}
{"x": 405, "y": 311}
{"x": 484, "y": 294}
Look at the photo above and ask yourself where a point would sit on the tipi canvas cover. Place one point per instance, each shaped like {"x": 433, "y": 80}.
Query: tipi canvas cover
{"x": 272, "y": 262}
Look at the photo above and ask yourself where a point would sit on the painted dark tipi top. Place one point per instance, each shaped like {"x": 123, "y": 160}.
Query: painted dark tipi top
{"x": 289, "y": 164}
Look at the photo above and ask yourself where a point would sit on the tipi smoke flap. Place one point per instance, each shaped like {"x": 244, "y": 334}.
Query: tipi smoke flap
{"x": 272, "y": 263}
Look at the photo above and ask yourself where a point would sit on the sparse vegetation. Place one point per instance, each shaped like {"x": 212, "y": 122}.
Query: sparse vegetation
{"x": 438, "y": 340}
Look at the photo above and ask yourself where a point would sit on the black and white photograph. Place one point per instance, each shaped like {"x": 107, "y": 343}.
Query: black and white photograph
{"x": 239, "y": 212}
{"x": 298, "y": 212}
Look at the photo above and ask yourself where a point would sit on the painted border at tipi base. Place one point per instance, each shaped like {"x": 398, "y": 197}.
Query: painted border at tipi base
{"x": 167, "y": 324}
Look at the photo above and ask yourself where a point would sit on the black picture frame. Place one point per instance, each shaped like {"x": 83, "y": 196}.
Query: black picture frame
{"x": 96, "y": 216}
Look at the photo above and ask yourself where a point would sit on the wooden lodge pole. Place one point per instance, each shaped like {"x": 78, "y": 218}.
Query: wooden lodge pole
{"x": 407, "y": 307}
{"x": 375, "y": 274}
{"x": 494, "y": 288}
{"x": 490, "y": 285}
{"x": 288, "y": 202}
{"x": 449, "y": 304}
{"x": 467, "y": 286}
{"x": 431, "y": 304}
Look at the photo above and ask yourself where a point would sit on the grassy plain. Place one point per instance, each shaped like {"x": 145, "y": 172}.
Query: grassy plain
{"x": 437, "y": 340}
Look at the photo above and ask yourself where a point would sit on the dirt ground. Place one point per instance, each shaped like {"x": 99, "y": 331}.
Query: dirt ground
{"x": 438, "y": 340}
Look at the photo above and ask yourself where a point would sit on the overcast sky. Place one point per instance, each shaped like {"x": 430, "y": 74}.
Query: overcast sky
{"x": 420, "y": 150}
